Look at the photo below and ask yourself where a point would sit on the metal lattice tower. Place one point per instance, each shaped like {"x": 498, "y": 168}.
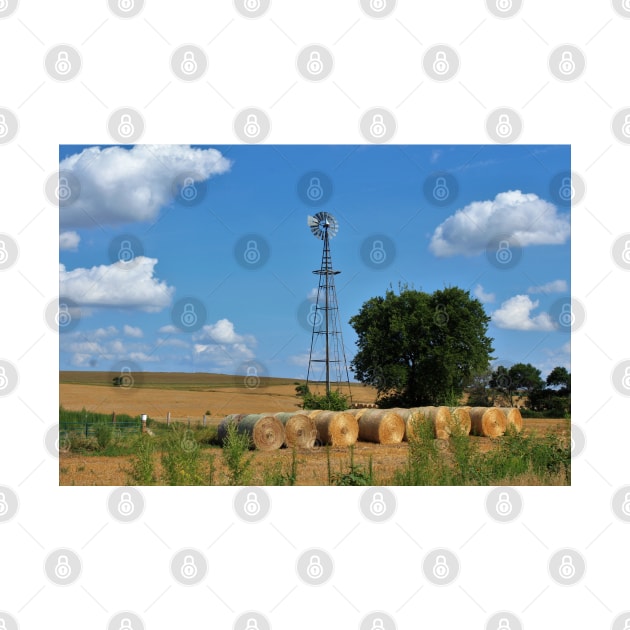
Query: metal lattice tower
{"x": 327, "y": 359}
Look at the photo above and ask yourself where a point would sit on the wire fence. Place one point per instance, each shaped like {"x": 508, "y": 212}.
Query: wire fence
{"x": 90, "y": 428}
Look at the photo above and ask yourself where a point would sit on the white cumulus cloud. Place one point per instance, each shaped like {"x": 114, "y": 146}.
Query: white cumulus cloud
{"x": 132, "y": 331}
{"x": 555, "y": 286}
{"x": 516, "y": 314}
{"x": 69, "y": 241}
{"x": 482, "y": 296}
{"x": 127, "y": 285}
{"x": 527, "y": 218}
{"x": 120, "y": 185}
{"x": 220, "y": 344}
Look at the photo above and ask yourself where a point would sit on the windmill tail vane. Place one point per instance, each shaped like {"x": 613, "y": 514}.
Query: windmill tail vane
{"x": 327, "y": 363}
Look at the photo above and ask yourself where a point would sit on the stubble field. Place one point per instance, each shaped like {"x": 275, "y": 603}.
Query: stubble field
{"x": 190, "y": 396}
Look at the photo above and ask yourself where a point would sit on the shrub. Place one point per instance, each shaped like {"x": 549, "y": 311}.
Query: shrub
{"x": 142, "y": 472}
{"x": 235, "y": 454}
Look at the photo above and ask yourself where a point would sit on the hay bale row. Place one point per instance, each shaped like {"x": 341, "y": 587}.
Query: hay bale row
{"x": 337, "y": 428}
{"x": 514, "y": 417}
{"x": 487, "y": 421}
{"x": 266, "y": 432}
{"x": 382, "y": 426}
{"x": 300, "y": 430}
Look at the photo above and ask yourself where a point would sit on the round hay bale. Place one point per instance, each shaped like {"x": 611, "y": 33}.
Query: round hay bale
{"x": 337, "y": 428}
{"x": 313, "y": 413}
{"x": 300, "y": 430}
{"x": 461, "y": 417}
{"x": 265, "y": 431}
{"x": 441, "y": 419}
{"x": 487, "y": 421}
{"x": 382, "y": 426}
{"x": 514, "y": 417}
{"x": 223, "y": 425}
{"x": 357, "y": 413}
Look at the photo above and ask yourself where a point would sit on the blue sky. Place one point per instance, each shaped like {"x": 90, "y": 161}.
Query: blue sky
{"x": 187, "y": 213}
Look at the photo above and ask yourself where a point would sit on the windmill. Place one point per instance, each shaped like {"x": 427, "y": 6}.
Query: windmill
{"x": 327, "y": 349}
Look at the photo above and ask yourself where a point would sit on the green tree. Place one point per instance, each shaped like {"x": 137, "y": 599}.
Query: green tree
{"x": 418, "y": 348}
{"x": 520, "y": 380}
{"x": 561, "y": 378}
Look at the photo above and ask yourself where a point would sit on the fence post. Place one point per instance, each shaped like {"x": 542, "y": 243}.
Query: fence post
{"x": 189, "y": 423}
{"x": 168, "y": 418}
{"x": 87, "y": 427}
{"x": 114, "y": 418}
{"x": 143, "y": 428}
{"x": 204, "y": 419}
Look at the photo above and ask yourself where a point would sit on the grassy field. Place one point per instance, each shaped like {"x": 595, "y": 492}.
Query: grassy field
{"x": 187, "y": 453}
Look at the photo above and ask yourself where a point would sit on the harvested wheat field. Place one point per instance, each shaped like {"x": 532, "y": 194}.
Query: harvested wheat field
{"x": 191, "y": 397}
{"x": 88, "y": 470}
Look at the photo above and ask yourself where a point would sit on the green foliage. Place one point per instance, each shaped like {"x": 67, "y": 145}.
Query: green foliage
{"x": 354, "y": 475}
{"x": 104, "y": 432}
{"x": 181, "y": 461}
{"x": 418, "y": 348}
{"x": 561, "y": 378}
{"x": 276, "y": 475}
{"x": 142, "y": 471}
{"x": 520, "y": 380}
{"x": 458, "y": 461}
{"x": 333, "y": 401}
{"x": 235, "y": 455}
